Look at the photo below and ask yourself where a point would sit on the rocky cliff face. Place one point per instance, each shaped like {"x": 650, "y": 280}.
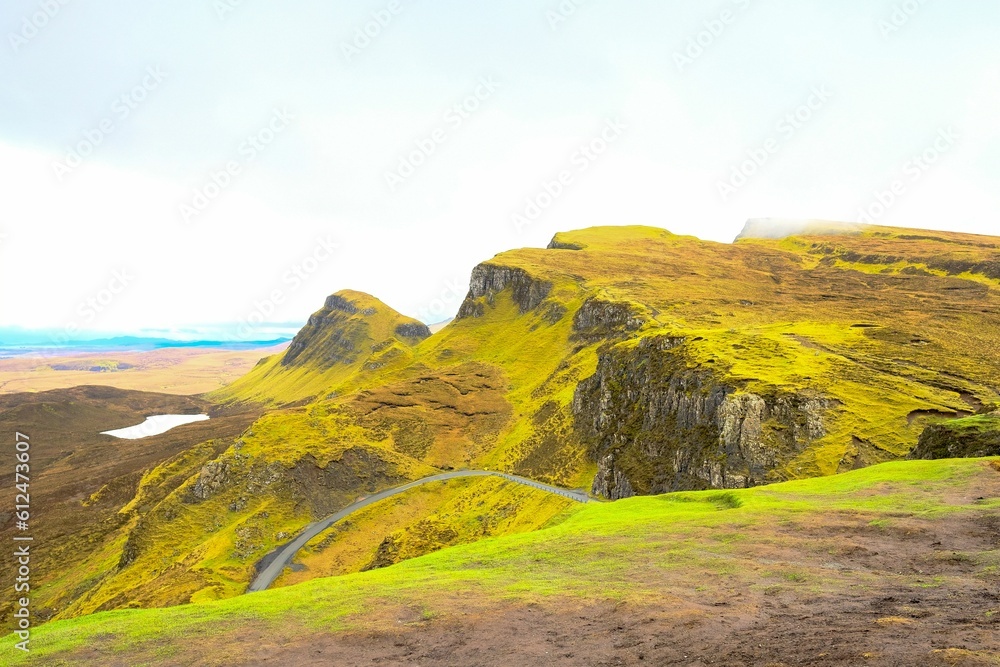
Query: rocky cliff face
{"x": 490, "y": 279}
{"x": 602, "y": 318}
{"x": 970, "y": 437}
{"x": 414, "y": 331}
{"x": 654, "y": 423}
{"x": 328, "y": 337}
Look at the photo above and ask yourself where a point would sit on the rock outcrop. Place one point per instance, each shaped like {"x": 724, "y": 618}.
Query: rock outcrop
{"x": 413, "y": 330}
{"x": 970, "y": 437}
{"x": 488, "y": 280}
{"x": 339, "y": 303}
{"x": 656, "y": 423}
{"x": 601, "y": 318}
{"x": 213, "y": 476}
{"x": 328, "y": 338}
{"x": 341, "y": 332}
{"x": 556, "y": 244}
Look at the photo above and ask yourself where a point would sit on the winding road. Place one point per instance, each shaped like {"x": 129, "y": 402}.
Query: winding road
{"x": 284, "y": 555}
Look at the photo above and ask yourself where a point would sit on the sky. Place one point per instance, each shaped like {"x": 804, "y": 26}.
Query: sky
{"x": 173, "y": 168}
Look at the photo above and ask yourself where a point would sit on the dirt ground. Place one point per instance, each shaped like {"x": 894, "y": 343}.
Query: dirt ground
{"x": 890, "y": 627}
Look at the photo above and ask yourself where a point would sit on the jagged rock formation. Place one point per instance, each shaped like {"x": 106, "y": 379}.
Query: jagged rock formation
{"x": 352, "y": 331}
{"x": 413, "y": 331}
{"x": 655, "y": 424}
{"x": 600, "y": 318}
{"x": 213, "y": 476}
{"x": 488, "y": 280}
{"x": 969, "y": 437}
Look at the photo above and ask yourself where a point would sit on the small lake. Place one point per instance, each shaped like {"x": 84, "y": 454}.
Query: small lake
{"x": 154, "y": 425}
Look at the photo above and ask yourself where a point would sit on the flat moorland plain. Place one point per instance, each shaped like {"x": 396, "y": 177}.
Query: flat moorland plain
{"x": 182, "y": 371}
{"x": 897, "y": 564}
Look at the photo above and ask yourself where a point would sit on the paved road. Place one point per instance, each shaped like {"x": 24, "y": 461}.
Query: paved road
{"x": 286, "y": 553}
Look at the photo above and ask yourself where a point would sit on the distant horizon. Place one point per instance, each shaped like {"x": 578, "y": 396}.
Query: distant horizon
{"x": 17, "y": 336}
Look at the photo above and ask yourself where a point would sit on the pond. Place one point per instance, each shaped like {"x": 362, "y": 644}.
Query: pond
{"x": 154, "y": 425}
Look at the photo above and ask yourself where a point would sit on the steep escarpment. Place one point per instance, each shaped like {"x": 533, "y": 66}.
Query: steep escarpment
{"x": 344, "y": 331}
{"x": 489, "y": 279}
{"x": 802, "y": 355}
{"x": 600, "y": 318}
{"x": 656, "y": 422}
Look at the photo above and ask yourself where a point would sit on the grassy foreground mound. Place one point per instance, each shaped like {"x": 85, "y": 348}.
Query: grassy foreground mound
{"x": 899, "y": 561}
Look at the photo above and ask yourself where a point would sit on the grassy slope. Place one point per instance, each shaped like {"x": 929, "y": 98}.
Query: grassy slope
{"x": 80, "y": 478}
{"x": 621, "y": 551}
{"x": 187, "y": 549}
{"x": 424, "y": 520}
{"x": 206, "y": 550}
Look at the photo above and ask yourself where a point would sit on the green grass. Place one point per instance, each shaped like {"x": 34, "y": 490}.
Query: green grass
{"x": 601, "y": 550}
{"x": 979, "y": 423}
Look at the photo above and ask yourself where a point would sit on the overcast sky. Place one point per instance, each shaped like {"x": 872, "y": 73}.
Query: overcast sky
{"x": 168, "y": 165}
